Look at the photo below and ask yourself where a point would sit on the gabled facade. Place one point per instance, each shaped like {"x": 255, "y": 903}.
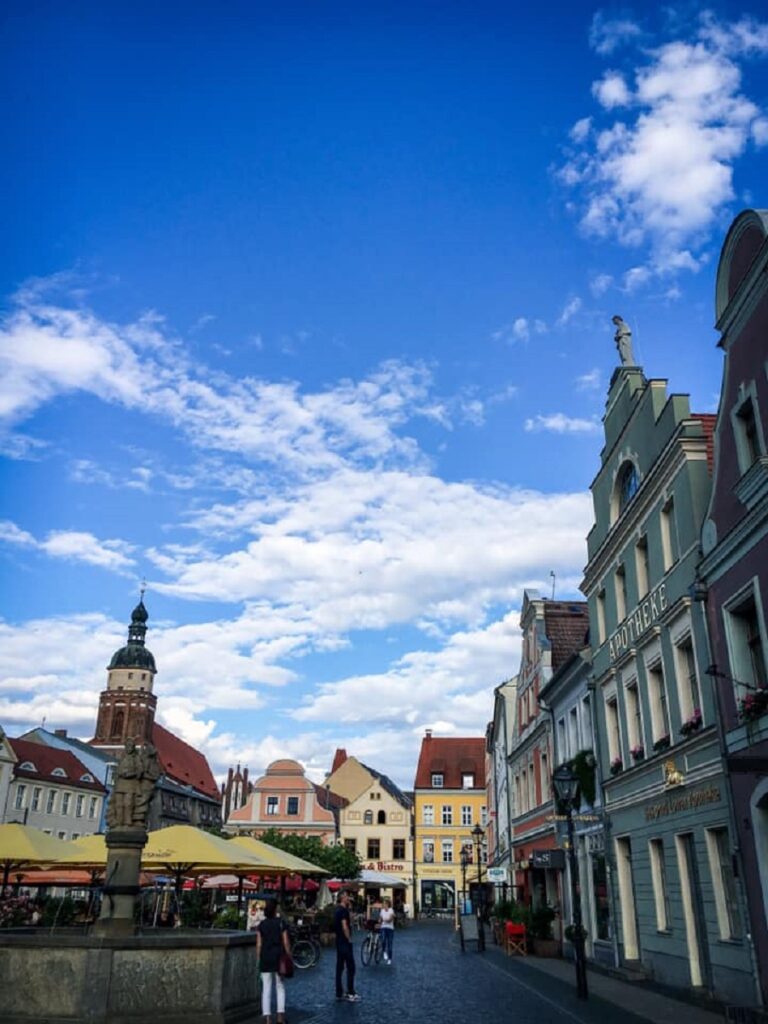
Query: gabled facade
{"x": 449, "y": 801}
{"x": 499, "y": 798}
{"x": 734, "y": 570}
{"x": 376, "y": 821}
{"x": 286, "y": 800}
{"x": 552, "y": 631}
{"x": 7, "y": 762}
{"x": 664, "y": 789}
{"x": 53, "y": 791}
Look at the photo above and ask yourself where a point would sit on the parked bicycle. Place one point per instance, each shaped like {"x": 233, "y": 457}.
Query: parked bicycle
{"x": 305, "y": 946}
{"x": 371, "y": 948}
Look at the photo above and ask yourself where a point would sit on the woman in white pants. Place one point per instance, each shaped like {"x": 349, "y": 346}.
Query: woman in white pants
{"x": 271, "y": 940}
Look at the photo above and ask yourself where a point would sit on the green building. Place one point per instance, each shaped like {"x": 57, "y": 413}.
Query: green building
{"x": 679, "y": 911}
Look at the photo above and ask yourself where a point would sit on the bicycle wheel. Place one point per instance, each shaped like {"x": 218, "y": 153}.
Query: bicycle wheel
{"x": 378, "y": 949}
{"x": 304, "y": 954}
{"x": 366, "y": 949}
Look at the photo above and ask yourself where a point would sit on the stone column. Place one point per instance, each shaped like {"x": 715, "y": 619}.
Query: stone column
{"x": 121, "y": 881}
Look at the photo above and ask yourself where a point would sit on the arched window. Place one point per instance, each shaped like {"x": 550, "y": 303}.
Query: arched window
{"x": 627, "y": 484}
{"x": 117, "y": 724}
{"x": 368, "y": 818}
{"x": 381, "y": 818}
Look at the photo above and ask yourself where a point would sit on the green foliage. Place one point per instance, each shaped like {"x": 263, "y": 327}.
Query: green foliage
{"x": 541, "y": 920}
{"x": 194, "y": 909}
{"x": 511, "y": 910}
{"x": 59, "y": 912}
{"x": 338, "y": 860}
{"x": 583, "y": 765}
{"x": 228, "y": 918}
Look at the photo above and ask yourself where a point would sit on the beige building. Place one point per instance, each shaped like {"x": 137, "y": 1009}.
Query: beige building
{"x": 7, "y": 761}
{"x": 376, "y": 821}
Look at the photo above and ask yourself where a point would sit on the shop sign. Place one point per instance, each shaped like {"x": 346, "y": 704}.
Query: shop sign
{"x": 380, "y": 865}
{"x": 554, "y": 859}
{"x": 638, "y": 621}
{"x": 497, "y": 875}
{"x": 685, "y": 802}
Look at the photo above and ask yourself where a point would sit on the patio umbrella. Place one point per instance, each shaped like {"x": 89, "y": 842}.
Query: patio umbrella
{"x": 22, "y": 847}
{"x": 280, "y": 861}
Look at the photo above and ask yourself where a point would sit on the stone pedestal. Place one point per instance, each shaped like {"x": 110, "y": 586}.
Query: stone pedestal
{"x": 121, "y": 881}
{"x": 171, "y": 977}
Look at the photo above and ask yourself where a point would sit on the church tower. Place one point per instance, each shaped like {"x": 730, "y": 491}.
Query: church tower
{"x": 127, "y": 706}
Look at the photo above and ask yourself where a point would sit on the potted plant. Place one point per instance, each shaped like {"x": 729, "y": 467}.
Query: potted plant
{"x": 638, "y": 752}
{"x": 690, "y": 725}
{"x": 540, "y": 929}
{"x": 662, "y": 743}
{"x": 616, "y": 765}
{"x": 754, "y": 705}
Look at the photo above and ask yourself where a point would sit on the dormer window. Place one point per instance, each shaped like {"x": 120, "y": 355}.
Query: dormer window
{"x": 27, "y": 766}
{"x": 467, "y": 780}
{"x": 87, "y": 777}
{"x": 59, "y": 773}
{"x": 437, "y": 780}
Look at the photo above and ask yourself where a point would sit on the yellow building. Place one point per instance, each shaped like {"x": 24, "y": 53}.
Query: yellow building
{"x": 375, "y": 823}
{"x": 449, "y": 802}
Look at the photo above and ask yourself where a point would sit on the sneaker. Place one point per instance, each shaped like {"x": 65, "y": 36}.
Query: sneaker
{"x": 352, "y": 997}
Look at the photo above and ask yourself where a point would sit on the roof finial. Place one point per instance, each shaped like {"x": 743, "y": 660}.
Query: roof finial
{"x": 143, "y": 589}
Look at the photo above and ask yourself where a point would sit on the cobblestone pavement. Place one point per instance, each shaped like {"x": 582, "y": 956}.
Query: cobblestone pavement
{"x": 432, "y": 981}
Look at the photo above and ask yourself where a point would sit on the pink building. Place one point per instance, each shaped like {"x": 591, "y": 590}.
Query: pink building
{"x": 285, "y": 799}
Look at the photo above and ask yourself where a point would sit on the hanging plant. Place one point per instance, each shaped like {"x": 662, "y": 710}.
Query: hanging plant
{"x": 583, "y": 767}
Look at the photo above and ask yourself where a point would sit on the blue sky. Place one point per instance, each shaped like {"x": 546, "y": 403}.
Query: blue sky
{"x": 306, "y": 319}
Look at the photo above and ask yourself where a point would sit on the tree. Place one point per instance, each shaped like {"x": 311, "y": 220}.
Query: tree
{"x": 338, "y": 860}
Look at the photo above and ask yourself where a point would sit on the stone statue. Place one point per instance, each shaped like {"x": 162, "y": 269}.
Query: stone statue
{"x": 136, "y": 774}
{"x": 623, "y": 339}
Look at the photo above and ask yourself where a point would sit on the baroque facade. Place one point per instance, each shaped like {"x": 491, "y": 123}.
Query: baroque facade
{"x": 664, "y": 790}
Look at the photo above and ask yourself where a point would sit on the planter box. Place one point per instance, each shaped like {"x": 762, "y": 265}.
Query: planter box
{"x": 546, "y": 947}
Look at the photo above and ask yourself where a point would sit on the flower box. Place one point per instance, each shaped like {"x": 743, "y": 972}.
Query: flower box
{"x": 616, "y": 766}
{"x": 754, "y": 705}
{"x": 690, "y": 725}
{"x": 638, "y": 752}
{"x": 662, "y": 743}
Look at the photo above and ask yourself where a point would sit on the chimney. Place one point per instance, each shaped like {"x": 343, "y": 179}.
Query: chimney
{"x": 338, "y": 759}
{"x": 428, "y": 734}
{"x": 60, "y": 732}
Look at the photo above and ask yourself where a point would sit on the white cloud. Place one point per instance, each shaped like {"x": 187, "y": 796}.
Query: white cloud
{"x": 589, "y": 381}
{"x": 600, "y": 284}
{"x": 73, "y": 545}
{"x": 581, "y": 129}
{"x": 570, "y": 310}
{"x": 611, "y": 91}
{"x": 520, "y": 329}
{"x": 607, "y": 34}
{"x": 559, "y": 423}
{"x": 661, "y": 175}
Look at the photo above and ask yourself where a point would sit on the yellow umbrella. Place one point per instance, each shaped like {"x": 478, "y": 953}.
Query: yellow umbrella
{"x": 85, "y": 852}
{"x": 22, "y": 846}
{"x": 279, "y": 860}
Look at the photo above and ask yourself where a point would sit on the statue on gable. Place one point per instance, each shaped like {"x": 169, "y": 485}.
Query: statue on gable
{"x": 623, "y": 339}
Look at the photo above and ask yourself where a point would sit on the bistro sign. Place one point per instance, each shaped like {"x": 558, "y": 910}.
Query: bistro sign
{"x": 636, "y": 623}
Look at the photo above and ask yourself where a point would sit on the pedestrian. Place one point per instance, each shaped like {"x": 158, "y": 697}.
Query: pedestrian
{"x": 387, "y": 930}
{"x": 345, "y": 954}
{"x": 271, "y": 941}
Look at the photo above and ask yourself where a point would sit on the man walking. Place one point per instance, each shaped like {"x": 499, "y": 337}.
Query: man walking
{"x": 345, "y": 955}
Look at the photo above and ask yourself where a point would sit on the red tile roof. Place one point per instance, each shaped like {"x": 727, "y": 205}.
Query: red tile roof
{"x": 708, "y": 421}
{"x": 566, "y": 624}
{"x": 183, "y": 763}
{"x": 46, "y": 760}
{"x": 454, "y": 756}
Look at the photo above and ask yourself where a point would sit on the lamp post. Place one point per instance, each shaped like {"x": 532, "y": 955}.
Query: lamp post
{"x": 464, "y": 858}
{"x": 477, "y": 835}
{"x": 566, "y": 786}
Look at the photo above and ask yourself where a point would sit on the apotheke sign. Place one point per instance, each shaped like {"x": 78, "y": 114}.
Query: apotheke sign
{"x": 641, "y": 619}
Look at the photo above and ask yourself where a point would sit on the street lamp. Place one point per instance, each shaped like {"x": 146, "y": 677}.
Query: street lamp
{"x": 477, "y": 835}
{"x": 566, "y": 786}
{"x": 464, "y": 858}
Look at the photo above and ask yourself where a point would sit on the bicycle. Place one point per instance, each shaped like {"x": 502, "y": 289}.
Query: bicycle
{"x": 371, "y": 948}
{"x": 305, "y": 947}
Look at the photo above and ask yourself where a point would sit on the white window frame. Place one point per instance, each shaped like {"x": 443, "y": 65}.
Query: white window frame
{"x": 446, "y": 846}
{"x": 613, "y": 725}
{"x": 642, "y": 567}
{"x": 670, "y": 539}
{"x": 634, "y": 715}
{"x": 728, "y": 923}
{"x": 438, "y": 780}
{"x": 600, "y": 609}
{"x": 66, "y": 800}
{"x": 659, "y": 881}
{"x": 446, "y": 814}
{"x": 739, "y": 662}
{"x": 745, "y": 459}
{"x": 21, "y": 791}
{"x": 428, "y": 814}
{"x": 660, "y": 723}
{"x": 620, "y": 591}
{"x": 466, "y": 814}
{"x": 273, "y": 806}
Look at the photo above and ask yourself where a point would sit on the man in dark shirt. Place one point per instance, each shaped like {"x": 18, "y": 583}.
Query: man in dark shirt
{"x": 345, "y": 956}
